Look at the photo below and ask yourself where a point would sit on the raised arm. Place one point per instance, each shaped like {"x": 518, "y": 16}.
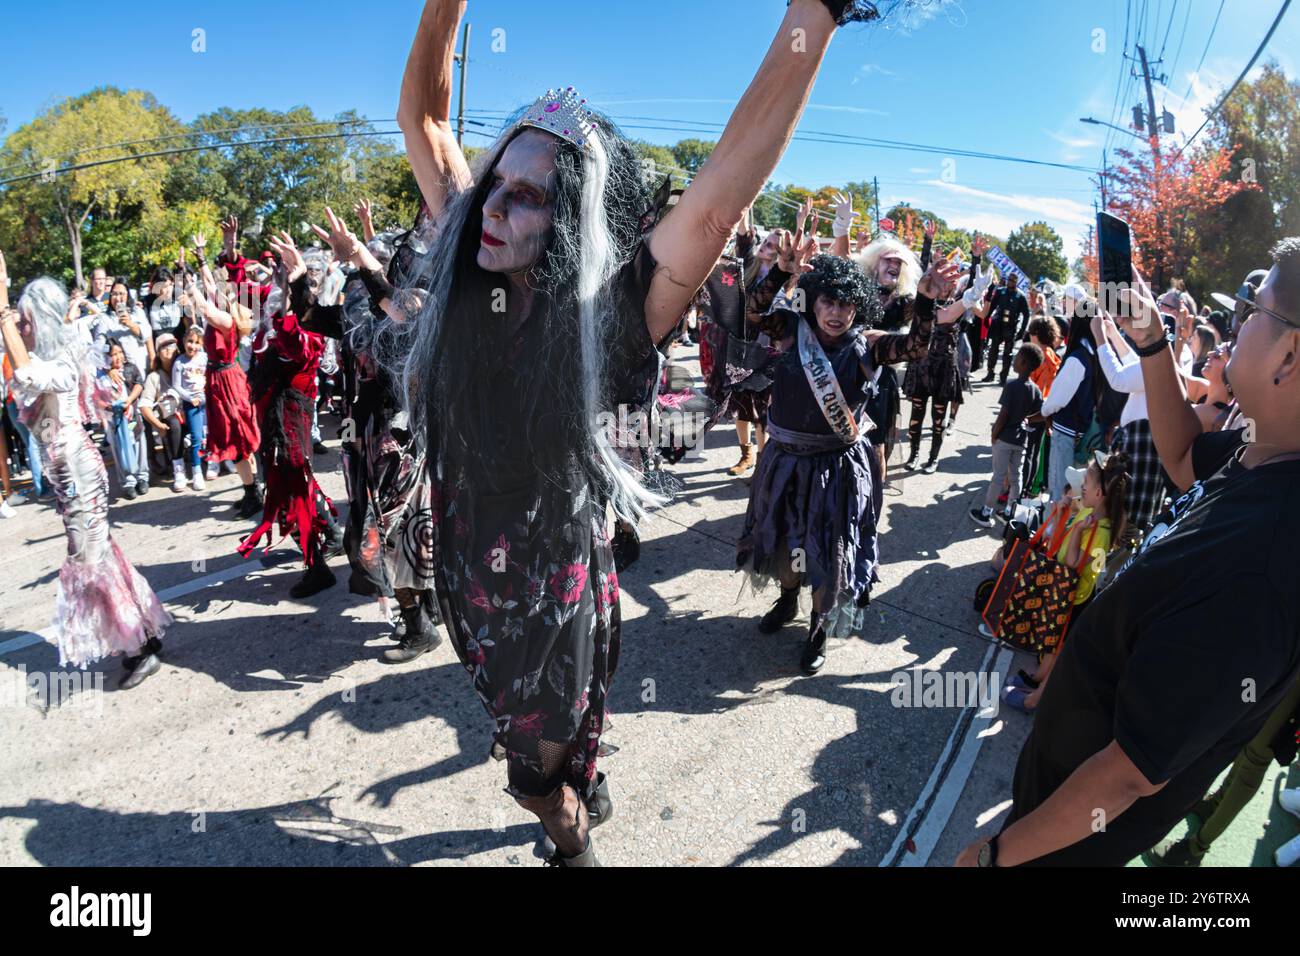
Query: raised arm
{"x": 927, "y": 247}
{"x": 424, "y": 109}
{"x": 1174, "y": 426}
{"x": 937, "y": 283}
{"x": 691, "y": 237}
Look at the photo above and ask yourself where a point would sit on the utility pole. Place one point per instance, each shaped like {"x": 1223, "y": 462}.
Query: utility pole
{"x": 463, "y": 59}
{"x": 1105, "y": 206}
{"x": 1154, "y": 130}
{"x": 875, "y": 193}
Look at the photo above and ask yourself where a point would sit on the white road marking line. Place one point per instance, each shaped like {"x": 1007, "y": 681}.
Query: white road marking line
{"x": 243, "y": 569}
{"x": 949, "y": 779}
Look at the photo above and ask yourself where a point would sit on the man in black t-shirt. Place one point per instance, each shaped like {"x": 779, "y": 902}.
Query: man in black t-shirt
{"x": 1183, "y": 657}
{"x": 1008, "y": 317}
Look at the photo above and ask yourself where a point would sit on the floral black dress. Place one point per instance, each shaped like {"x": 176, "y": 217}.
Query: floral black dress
{"x": 534, "y": 614}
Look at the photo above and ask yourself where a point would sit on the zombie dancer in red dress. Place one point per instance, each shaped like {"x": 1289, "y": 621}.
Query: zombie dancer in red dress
{"x": 284, "y": 392}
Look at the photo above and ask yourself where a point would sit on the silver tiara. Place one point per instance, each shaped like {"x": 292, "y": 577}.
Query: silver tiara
{"x": 562, "y": 113}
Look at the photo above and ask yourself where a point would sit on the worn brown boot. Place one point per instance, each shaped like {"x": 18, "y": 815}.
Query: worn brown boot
{"x": 746, "y": 461}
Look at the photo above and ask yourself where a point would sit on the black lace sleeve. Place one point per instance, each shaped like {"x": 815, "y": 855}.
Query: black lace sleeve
{"x": 910, "y": 345}
{"x": 758, "y": 304}
{"x": 325, "y": 320}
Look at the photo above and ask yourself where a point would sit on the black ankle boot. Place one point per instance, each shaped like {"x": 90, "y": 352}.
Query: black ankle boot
{"x": 251, "y": 504}
{"x": 315, "y": 579}
{"x": 785, "y": 610}
{"x": 333, "y": 542}
{"x": 814, "y": 653}
{"x": 420, "y": 637}
{"x": 626, "y": 547}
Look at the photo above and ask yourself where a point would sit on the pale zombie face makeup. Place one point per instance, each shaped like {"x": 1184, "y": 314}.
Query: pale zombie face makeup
{"x": 519, "y": 207}
{"x": 767, "y": 252}
{"x": 315, "y": 274}
{"x": 888, "y": 270}
{"x": 833, "y": 318}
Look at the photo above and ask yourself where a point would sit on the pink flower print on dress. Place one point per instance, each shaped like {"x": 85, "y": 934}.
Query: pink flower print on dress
{"x": 607, "y": 591}
{"x": 530, "y": 725}
{"x": 567, "y": 583}
{"x": 477, "y": 596}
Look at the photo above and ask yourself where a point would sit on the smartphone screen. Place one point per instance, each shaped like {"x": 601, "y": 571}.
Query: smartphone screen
{"x": 1114, "y": 259}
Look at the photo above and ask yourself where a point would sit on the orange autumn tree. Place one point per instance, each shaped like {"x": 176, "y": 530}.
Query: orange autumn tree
{"x": 1086, "y": 266}
{"x": 1163, "y": 196}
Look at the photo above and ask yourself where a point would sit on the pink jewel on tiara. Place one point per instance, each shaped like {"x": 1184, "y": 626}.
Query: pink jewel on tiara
{"x": 552, "y": 107}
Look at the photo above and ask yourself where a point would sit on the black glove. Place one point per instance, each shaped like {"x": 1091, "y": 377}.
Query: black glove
{"x": 851, "y": 11}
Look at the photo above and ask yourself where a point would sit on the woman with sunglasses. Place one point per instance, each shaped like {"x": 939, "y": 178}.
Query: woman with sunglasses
{"x": 1218, "y": 404}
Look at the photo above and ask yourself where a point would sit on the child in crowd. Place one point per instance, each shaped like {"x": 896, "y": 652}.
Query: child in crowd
{"x": 123, "y": 382}
{"x": 1020, "y": 399}
{"x": 1096, "y": 515}
{"x": 189, "y": 380}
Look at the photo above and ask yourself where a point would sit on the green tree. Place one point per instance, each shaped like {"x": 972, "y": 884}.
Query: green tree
{"x": 75, "y": 132}
{"x": 1039, "y": 251}
{"x": 1261, "y": 120}
{"x": 691, "y": 153}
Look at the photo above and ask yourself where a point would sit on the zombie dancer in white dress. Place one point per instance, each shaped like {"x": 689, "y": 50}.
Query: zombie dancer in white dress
{"x": 105, "y": 607}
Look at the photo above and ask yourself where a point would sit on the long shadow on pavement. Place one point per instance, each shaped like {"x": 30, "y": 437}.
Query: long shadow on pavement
{"x": 300, "y": 833}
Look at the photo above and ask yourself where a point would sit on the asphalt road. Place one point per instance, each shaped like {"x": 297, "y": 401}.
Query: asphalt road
{"x": 272, "y": 735}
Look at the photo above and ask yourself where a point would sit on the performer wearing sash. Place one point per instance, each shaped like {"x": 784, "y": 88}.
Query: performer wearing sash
{"x": 816, "y": 494}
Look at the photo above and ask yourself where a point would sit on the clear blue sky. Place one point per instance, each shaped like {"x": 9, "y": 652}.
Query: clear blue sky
{"x": 1004, "y": 76}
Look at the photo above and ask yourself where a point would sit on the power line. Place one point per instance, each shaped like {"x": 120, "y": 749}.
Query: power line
{"x": 1187, "y": 19}
{"x": 1119, "y": 84}
{"x": 1249, "y": 66}
{"x": 674, "y": 126}
{"x": 190, "y": 149}
{"x": 1168, "y": 30}
{"x": 1201, "y": 62}
{"x": 220, "y": 131}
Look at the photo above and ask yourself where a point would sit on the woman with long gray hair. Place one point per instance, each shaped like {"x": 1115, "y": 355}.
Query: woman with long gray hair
{"x": 104, "y": 607}
{"x": 546, "y": 307}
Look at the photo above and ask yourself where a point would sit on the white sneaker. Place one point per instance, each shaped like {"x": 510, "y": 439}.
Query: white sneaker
{"x": 178, "y": 483}
{"x": 6, "y": 511}
{"x": 17, "y": 498}
{"x": 197, "y": 483}
{"x": 213, "y": 470}
{"x": 1289, "y": 800}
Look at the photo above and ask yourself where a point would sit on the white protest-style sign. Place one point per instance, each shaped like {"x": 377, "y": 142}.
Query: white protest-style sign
{"x": 1007, "y": 267}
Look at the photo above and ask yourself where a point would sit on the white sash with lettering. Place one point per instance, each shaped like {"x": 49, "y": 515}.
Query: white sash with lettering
{"x": 821, "y": 379}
